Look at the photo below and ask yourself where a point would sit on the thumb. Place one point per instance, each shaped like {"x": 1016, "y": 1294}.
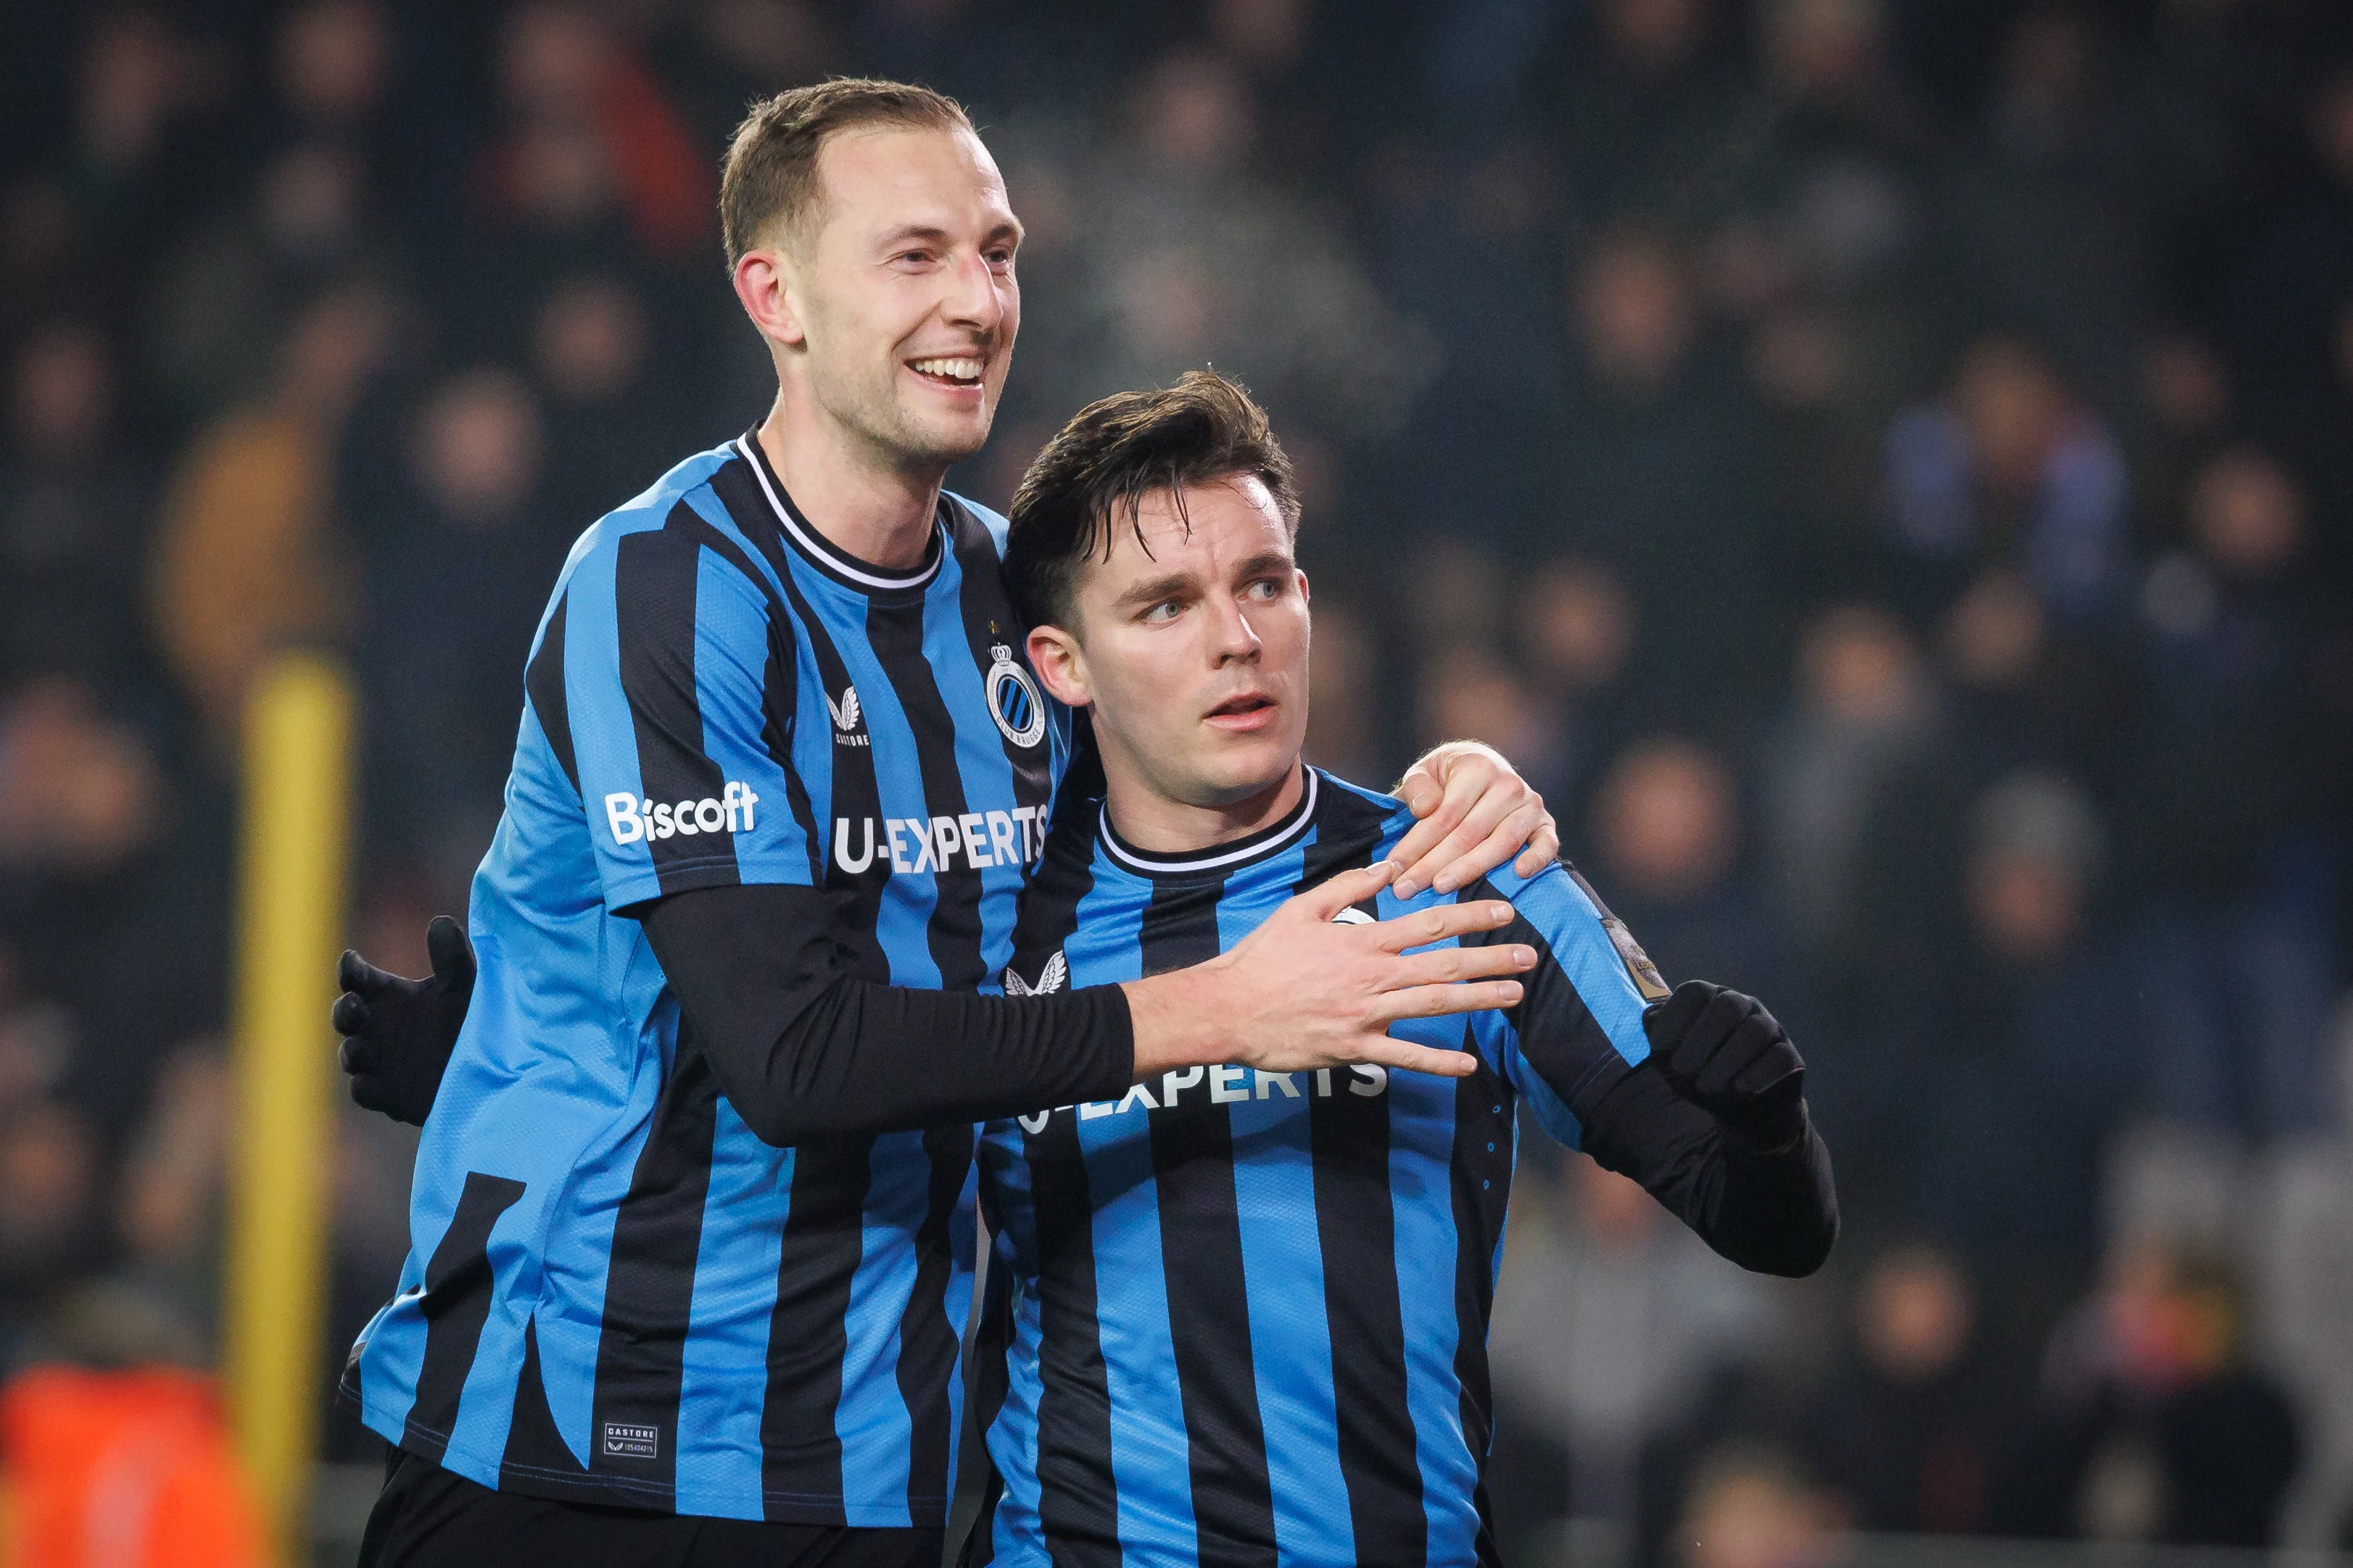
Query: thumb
{"x": 356, "y": 974}
{"x": 452, "y": 955}
{"x": 1421, "y": 788}
{"x": 1327, "y": 898}
{"x": 1667, "y": 1022}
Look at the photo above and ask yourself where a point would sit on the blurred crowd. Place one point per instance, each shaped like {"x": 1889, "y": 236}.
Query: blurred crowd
{"x": 1884, "y": 468}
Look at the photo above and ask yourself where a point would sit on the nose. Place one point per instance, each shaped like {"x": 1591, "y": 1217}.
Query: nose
{"x": 972, "y": 299}
{"x": 1233, "y": 638}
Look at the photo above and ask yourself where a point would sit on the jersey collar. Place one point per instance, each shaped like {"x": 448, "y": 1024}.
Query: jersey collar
{"x": 1218, "y": 859}
{"x": 829, "y": 557}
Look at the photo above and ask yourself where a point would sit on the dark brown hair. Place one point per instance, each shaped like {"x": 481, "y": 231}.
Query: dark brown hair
{"x": 771, "y": 170}
{"x": 1112, "y": 455}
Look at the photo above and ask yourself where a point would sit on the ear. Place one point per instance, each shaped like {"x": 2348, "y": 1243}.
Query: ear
{"x": 764, "y": 284}
{"x": 1062, "y": 666}
{"x": 1304, "y": 596}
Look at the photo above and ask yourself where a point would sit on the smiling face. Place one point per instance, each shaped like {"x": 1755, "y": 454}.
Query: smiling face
{"x": 899, "y": 304}
{"x": 1190, "y": 646}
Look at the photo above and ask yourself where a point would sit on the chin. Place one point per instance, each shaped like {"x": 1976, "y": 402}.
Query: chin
{"x": 1236, "y": 778}
{"x": 946, "y": 441}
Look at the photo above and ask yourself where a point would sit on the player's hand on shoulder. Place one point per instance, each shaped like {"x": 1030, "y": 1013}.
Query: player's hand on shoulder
{"x": 398, "y": 1033}
{"x": 1476, "y": 813}
{"x": 1309, "y": 988}
{"x": 1720, "y": 1049}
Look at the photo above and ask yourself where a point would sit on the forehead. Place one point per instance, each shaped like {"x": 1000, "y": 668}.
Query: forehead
{"x": 889, "y": 176}
{"x": 1222, "y": 522}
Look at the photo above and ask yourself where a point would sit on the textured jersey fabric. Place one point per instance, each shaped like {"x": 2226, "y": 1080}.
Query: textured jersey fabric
{"x": 615, "y": 1292}
{"x": 1247, "y": 1314}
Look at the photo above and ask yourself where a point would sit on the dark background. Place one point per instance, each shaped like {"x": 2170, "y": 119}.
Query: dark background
{"x": 1884, "y": 467}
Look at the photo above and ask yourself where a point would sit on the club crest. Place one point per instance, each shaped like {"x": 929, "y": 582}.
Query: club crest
{"x": 1014, "y": 700}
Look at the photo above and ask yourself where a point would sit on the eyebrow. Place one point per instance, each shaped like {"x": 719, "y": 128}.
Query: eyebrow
{"x": 1168, "y": 585}
{"x": 1155, "y": 589}
{"x": 1009, "y": 229}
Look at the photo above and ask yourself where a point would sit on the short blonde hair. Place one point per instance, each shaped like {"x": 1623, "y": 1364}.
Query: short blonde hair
{"x": 771, "y": 171}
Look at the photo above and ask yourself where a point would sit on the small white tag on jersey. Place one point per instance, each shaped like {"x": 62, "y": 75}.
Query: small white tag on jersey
{"x": 623, "y": 1441}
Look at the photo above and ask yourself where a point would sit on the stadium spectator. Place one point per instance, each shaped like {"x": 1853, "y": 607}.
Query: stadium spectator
{"x": 73, "y": 514}
{"x": 2061, "y": 203}
{"x": 1668, "y": 860}
{"x": 442, "y": 556}
{"x": 1752, "y": 1508}
{"x": 1906, "y": 1427}
{"x": 1193, "y": 258}
{"x": 2010, "y": 468}
{"x": 2284, "y": 307}
{"x": 1642, "y": 95}
{"x": 2236, "y": 780}
{"x": 2154, "y": 1426}
{"x": 112, "y": 913}
{"x": 609, "y": 420}
{"x": 1607, "y": 1329}
{"x": 248, "y": 558}
{"x": 147, "y": 146}
{"x": 1575, "y": 631}
{"x": 1856, "y": 790}
{"x": 2022, "y": 1048}
{"x": 49, "y": 1174}
{"x": 1658, "y": 474}
{"x": 221, "y": 312}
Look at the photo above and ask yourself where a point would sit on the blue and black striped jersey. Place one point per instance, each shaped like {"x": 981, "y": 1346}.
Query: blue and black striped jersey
{"x": 615, "y": 1293}
{"x": 1249, "y": 1311}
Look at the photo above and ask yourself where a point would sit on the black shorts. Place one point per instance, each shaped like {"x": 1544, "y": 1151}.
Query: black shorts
{"x": 428, "y": 1517}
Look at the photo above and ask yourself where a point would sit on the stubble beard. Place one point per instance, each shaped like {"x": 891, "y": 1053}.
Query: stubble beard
{"x": 878, "y": 422}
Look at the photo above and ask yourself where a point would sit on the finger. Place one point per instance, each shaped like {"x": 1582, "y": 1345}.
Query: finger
{"x": 1440, "y": 922}
{"x": 452, "y": 955}
{"x": 1768, "y": 1073}
{"x": 1671, "y": 1019}
{"x": 1420, "y": 789}
{"x": 1497, "y": 804}
{"x": 1498, "y": 846}
{"x": 350, "y": 1014}
{"x": 1708, "y": 1053}
{"x": 1399, "y": 1055}
{"x": 1414, "y": 849}
{"x": 1544, "y": 848}
{"x": 1436, "y": 1001}
{"x": 1442, "y": 965}
{"x": 1328, "y": 898}
{"x": 1478, "y": 795}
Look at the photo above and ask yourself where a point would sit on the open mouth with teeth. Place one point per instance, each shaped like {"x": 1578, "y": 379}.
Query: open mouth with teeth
{"x": 950, "y": 372}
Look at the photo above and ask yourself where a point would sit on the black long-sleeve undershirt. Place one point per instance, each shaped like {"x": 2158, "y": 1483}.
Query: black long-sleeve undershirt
{"x": 803, "y": 1047}
{"x": 1773, "y": 1212}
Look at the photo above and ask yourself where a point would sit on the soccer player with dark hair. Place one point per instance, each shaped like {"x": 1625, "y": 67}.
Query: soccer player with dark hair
{"x": 685, "y": 1279}
{"x": 1249, "y": 1308}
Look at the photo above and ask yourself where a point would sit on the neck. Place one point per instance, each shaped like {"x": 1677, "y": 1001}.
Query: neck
{"x": 1153, "y": 822}
{"x": 847, "y": 490}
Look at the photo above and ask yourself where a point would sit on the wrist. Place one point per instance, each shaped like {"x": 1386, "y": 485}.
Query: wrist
{"x": 1174, "y": 1021}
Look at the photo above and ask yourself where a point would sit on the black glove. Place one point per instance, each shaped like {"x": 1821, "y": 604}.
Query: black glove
{"x": 398, "y": 1034}
{"x": 1725, "y": 1054}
